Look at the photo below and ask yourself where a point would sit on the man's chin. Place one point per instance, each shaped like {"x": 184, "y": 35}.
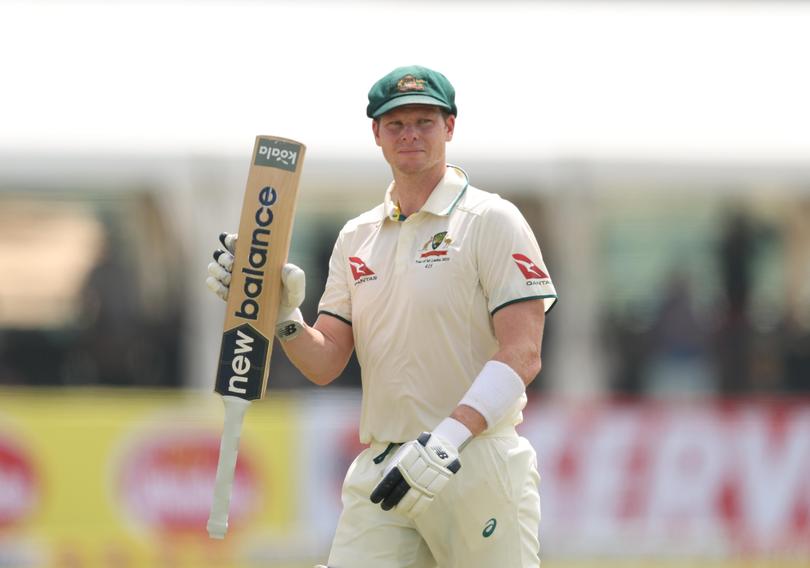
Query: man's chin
{"x": 406, "y": 168}
{"x": 412, "y": 164}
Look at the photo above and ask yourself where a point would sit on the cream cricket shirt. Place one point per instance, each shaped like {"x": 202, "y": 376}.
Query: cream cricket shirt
{"x": 419, "y": 294}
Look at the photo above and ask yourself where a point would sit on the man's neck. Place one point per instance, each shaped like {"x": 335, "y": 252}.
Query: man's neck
{"x": 411, "y": 191}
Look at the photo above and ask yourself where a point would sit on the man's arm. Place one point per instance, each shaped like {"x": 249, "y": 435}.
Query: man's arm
{"x": 321, "y": 351}
{"x": 519, "y": 331}
{"x": 421, "y": 468}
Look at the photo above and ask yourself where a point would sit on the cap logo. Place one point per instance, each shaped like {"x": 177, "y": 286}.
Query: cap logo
{"x": 410, "y": 83}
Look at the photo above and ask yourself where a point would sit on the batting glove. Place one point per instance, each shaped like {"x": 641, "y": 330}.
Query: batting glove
{"x": 418, "y": 472}
{"x": 219, "y": 271}
{"x": 290, "y": 320}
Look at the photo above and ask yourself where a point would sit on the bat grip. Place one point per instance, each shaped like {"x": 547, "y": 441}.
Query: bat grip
{"x": 235, "y": 409}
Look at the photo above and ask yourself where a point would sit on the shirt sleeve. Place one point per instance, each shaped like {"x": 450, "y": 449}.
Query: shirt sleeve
{"x": 510, "y": 264}
{"x": 336, "y": 300}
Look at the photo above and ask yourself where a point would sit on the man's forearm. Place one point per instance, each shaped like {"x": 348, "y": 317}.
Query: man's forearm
{"x": 318, "y": 353}
{"x": 471, "y": 418}
{"x": 524, "y": 359}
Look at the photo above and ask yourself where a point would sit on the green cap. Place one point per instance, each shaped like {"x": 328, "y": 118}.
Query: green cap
{"x": 413, "y": 85}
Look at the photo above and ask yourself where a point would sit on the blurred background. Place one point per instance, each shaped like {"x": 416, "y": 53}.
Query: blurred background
{"x": 659, "y": 150}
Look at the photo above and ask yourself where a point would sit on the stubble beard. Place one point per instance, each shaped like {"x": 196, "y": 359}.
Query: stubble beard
{"x": 416, "y": 164}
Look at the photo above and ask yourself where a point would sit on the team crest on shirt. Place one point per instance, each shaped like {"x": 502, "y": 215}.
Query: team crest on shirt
{"x": 533, "y": 274}
{"x": 360, "y": 270}
{"x": 435, "y": 250}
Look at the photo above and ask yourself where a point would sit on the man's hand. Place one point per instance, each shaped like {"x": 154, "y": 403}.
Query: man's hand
{"x": 219, "y": 271}
{"x": 293, "y": 289}
{"x": 417, "y": 472}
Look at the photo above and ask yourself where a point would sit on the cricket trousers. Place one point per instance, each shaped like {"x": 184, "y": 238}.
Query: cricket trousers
{"x": 487, "y": 516}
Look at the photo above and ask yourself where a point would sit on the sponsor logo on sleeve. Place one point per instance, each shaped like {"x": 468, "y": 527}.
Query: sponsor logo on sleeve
{"x": 533, "y": 274}
{"x": 360, "y": 271}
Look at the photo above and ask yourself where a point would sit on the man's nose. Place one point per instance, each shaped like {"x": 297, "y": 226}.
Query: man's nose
{"x": 409, "y": 132}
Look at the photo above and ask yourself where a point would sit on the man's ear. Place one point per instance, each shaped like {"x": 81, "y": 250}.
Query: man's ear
{"x": 375, "y": 128}
{"x": 450, "y": 123}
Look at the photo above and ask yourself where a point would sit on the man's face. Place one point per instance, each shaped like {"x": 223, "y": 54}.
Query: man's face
{"x": 413, "y": 137}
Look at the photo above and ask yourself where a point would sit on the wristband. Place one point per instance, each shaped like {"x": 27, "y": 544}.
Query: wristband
{"x": 494, "y": 392}
{"x": 453, "y": 431}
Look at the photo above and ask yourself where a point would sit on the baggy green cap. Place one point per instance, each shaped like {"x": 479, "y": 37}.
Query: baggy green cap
{"x": 413, "y": 85}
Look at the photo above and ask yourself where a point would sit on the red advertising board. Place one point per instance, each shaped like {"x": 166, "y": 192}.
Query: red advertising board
{"x": 673, "y": 478}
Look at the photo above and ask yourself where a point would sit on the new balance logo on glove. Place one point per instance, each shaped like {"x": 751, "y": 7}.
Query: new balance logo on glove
{"x": 415, "y": 475}
{"x": 440, "y": 452}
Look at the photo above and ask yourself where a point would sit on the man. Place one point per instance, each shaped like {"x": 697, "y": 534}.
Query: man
{"x": 442, "y": 292}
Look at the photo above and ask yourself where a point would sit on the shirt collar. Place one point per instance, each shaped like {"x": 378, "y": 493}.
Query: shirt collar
{"x": 442, "y": 200}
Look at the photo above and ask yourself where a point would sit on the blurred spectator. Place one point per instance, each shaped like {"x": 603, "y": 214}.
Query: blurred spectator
{"x": 796, "y": 325}
{"x": 127, "y": 337}
{"x": 110, "y": 317}
{"x": 752, "y": 339}
{"x": 678, "y": 362}
{"x": 627, "y": 338}
{"x": 735, "y": 256}
{"x": 796, "y": 353}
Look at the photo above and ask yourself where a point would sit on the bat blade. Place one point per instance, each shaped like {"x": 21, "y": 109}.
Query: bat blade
{"x": 265, "y": 227}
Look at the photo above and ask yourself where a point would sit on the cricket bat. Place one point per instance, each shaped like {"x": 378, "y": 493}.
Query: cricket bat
{"x": 265, "y": 227}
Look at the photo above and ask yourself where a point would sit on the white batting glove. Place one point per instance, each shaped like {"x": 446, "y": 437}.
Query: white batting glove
{"x": 219, "y": 271}
{"x": 293, "y": 280}
{"x": 421, "y": 469}
{"x": 290, "y": 321}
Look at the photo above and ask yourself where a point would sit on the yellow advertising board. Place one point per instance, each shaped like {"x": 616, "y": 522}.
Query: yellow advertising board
{"x": 124, "y": 478}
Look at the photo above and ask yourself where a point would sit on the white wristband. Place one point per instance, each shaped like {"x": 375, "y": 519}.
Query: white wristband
{"x": 494, "y": 392}
{"x": 453, "y": 431}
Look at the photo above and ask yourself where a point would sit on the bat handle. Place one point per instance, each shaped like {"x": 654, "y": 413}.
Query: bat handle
{"x": 235, "y": 409}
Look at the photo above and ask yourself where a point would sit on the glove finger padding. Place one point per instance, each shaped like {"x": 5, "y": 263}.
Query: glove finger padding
{"x": 219, "y": 279}
{"x": 418, "y": 471}
{"x": 222, "y": 274}
{"x": 224, "y": 258}
{"x": 413, "y": 503}
{"x": 217, "y": 287}
{"x": 394, "y": 489}
{"x": 294, "y": 286}
{"x": 228, "y": 240}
